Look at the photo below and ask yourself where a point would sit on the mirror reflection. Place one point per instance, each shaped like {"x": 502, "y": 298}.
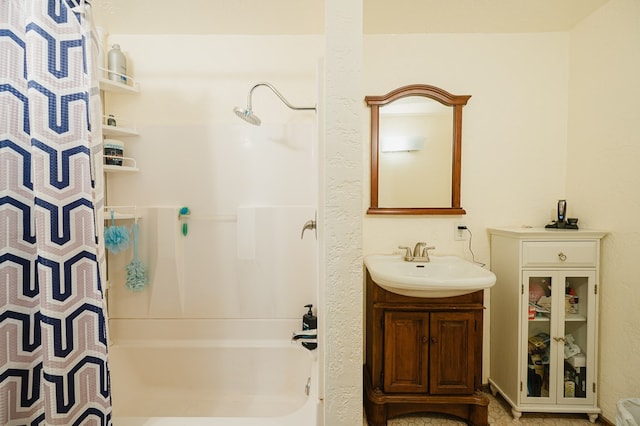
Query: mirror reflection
{"x": 415, "y": 147}
{"x": 416, "y": 151}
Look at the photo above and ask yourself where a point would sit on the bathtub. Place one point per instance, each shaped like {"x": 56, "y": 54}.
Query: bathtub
{"x": 211, "y": 372}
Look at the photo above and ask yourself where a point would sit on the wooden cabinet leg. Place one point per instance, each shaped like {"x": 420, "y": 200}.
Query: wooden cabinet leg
{"x": 479, "y": 415}
{"x": 376, "y": 415}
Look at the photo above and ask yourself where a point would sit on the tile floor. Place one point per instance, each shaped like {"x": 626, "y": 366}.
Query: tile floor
{"x": 499, "y": 415}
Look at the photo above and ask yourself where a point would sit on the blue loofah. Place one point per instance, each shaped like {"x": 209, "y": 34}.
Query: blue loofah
{"x": 116, "y": 238}
{"x": 136, "y": 272}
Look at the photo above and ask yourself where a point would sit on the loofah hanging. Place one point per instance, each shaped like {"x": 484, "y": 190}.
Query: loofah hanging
{"x": 136, "y": 272}
{"x": 116, "y": 238}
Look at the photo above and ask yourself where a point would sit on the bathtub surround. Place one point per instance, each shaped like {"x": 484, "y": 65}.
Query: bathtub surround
{"x": 246, "y": 233}
{"x": 167, "y": 263}
{"x": 202, "y": 275}
{"x": 53, "y": 368}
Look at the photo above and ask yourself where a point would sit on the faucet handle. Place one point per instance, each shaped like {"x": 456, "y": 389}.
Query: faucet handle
{"x": 407, "y": 254}
{"x": 425, "y": 251}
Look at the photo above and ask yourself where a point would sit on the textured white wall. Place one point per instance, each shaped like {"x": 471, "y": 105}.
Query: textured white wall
{"x": 602, "y": 180}
{"x": 341, "y": 215}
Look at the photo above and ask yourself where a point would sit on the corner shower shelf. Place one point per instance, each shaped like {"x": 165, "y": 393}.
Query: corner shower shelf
{"x": 118, "y": 131}
{"x": 115, "y": 87}
{"x": 120, "y": 215}
{"x": 109, "y": 168}
{"x": 128, "y": 165}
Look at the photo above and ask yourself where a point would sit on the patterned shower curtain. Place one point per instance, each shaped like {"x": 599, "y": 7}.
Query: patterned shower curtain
{"x": 53, "y": 339}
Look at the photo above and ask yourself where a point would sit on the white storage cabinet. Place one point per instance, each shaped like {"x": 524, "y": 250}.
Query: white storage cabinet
{"x": 544, "y": 317}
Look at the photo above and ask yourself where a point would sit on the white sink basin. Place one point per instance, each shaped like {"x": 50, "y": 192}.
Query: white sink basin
{"x": 443, "y": 276}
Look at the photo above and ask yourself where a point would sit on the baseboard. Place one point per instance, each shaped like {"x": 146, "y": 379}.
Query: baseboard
{"x": 606, "y": 422}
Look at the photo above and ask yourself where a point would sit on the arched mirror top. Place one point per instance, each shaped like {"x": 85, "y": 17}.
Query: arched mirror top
{"x": 425, "y": 90}
{"x": 416, "y": 146}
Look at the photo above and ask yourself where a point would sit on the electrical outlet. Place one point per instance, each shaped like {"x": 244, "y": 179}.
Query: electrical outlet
{"x": 460, "y": 232}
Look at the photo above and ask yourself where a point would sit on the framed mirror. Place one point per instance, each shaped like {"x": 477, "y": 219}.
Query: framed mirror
{"x": 416, "y": 147}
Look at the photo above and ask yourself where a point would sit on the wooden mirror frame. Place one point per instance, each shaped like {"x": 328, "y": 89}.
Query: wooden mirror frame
{"x": 444, "y": 97}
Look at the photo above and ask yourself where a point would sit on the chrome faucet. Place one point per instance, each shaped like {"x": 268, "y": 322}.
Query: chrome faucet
{"x": 420, "y": 252}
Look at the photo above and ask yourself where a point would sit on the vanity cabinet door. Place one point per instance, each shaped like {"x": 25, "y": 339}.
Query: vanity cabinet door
{"x": 452, "y": 340}
{"x": 406, "y": 351}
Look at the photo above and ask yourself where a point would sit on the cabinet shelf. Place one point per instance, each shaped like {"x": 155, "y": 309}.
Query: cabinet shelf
{"x": 567, "y": 318}
{"x": 575, "y": 318}
{"x": 541, "y": 318}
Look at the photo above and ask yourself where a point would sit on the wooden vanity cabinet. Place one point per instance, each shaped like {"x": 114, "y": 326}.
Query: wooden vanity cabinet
{"x": 423, "y": 355}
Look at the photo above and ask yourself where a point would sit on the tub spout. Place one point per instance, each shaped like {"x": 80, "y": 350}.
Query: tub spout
{"x": 306, "y": 335}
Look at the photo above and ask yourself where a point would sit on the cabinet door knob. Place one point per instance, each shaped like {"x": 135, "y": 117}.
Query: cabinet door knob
{"x": 562, "y": 256}
{"x": 434, "y": 340}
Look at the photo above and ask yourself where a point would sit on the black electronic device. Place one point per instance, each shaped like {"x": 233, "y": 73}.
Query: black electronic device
{"x": 563, "y": 222}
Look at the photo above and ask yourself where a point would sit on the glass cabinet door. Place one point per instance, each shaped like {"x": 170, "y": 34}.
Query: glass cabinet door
{"x": 539, "y": 375}
{"x": 576, "y": 337}
{"x": 560, "y": 338}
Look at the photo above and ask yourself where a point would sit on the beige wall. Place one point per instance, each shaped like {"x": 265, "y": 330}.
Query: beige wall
{"x": 602, "y": 179}
{"x": 514, "y": 129}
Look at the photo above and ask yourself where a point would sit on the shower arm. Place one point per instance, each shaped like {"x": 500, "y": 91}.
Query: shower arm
{"x": 282, "y": 98}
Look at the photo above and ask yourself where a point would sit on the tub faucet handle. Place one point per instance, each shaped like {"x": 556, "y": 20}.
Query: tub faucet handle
{"x": 307, "y": 335}
{"x": 310, "y": 224}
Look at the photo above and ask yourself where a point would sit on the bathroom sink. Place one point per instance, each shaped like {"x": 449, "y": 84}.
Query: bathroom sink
{"x": 443, "y": 276}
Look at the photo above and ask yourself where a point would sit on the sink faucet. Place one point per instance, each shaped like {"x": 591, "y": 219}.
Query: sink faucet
{"x": 420, "y": 252}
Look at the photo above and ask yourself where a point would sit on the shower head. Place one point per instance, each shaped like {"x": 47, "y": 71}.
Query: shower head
{"x": 247, "y": 113}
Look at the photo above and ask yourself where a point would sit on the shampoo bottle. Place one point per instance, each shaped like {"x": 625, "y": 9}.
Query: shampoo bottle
{"x": 309, "y": 322}
{"x": 117, "y": 64}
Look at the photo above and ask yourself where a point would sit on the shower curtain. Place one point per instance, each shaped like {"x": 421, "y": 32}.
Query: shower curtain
{"x": 53, "y": 344}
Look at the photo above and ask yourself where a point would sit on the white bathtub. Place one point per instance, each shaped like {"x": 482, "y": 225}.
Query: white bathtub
{"x": 211, "y": 372}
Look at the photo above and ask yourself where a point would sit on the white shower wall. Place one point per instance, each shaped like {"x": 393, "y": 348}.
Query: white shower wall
{"x": 193, "y": 151}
